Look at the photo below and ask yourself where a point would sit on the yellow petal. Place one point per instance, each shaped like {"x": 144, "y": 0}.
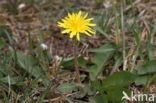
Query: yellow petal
{"x": 61, "y": 24}
{"x": 78, "y": 37}
{"x": 91, "y": 30}
{"x": 79, "y": 14}
{"x": 87, "y": 33}
{"x": 85, "y": 15}
{"x": 72, "y": 34}
{"x": 66, "y": 18}
{"x": 66, "y": 31}
{"x": 73, "y": 15}
{"x": 88, "y": 20}
{"x": 91, "y": 24}
{"x": 69, "y": 15}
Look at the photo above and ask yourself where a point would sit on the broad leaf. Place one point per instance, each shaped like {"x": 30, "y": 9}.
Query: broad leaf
{"x": 101, "y": 31}
{"x": 25, "y": 61}
{"x": 67, "y": 87}
{"x": 149, "y": 67}
{"x": 28, "y": 63}
{"x": 118, "y": 80}
{"x": 100, "y": 59}
{"x": 70, "y": 63}
{"x": 142, "y": 80}
{"x": 101, "y": 99}
{"x": 105, "y": 48}
{"x": 115, "y": 95}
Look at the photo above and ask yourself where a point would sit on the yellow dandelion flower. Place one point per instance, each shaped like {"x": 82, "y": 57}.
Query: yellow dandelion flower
{"x": 75, "y": 24}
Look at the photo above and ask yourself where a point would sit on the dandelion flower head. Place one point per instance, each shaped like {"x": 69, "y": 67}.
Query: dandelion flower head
{"x": 77, "y": 24}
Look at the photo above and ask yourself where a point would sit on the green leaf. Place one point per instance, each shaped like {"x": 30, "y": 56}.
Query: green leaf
{"x": 118, "y": 80}
{"x": 67, "y": 87}
{"x": 2, "y": 31}
{"x": 100, "y": 59}
{"x": 105, "y": 48}
{"x": 101, "y": 31}
{"x": 142, "y": 80}
{"x": 25, "y": 61}
{"x": 111, "y": 96}
{"x": 9, "y": 36}
{"x": 150, "y": 52}
{"x": 36, "y": 71}
{"x": 93, "y": 72}
{"x": 115, "y": 95}
{"x": 28, "y": 63}
{"x": 82, "y": 62}
{"x": 101, "y": 98}
{"x": 3, "y": 69}
{"x": 69, "y": 62}
{"x": 149, "y": 67}
{"x": 6, "y": 99}
{"x": 85, "y": 91}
